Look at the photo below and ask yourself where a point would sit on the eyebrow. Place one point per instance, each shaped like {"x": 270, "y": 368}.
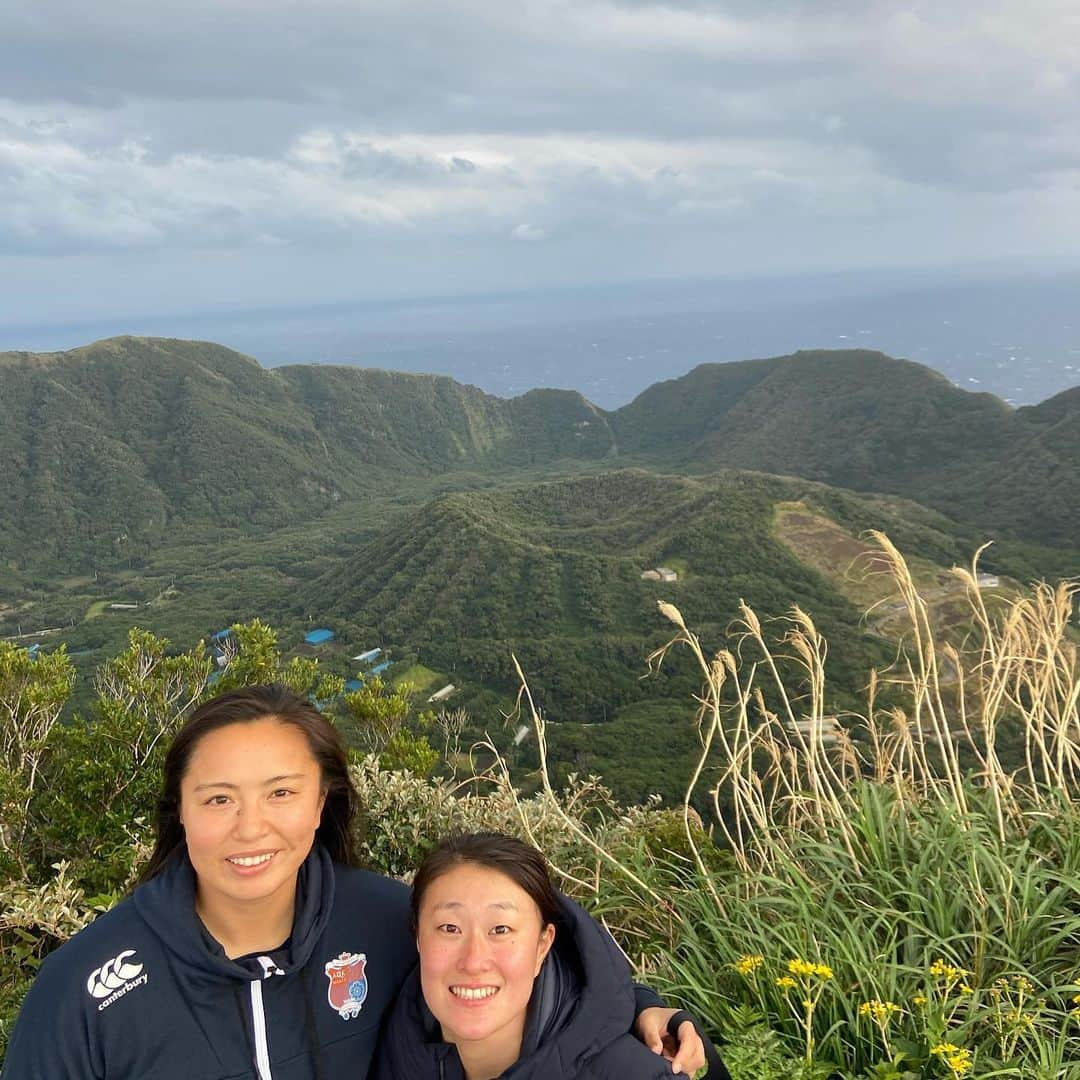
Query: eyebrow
{"x": 500, "y": 905}
{"x": 236, "y": 787}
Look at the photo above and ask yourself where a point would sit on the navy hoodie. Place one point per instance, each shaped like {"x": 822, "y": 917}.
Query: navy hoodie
{"x": 146, "y": 992}
{"x": 577, "y": 1026}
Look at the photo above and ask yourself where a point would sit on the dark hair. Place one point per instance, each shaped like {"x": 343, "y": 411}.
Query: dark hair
{"x": 520, "y": 862}
{"x": 246, "y": 706}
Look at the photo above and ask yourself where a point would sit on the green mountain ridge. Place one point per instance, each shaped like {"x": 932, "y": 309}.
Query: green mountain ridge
{"x": 116, "y": 447}
{"x": 113, "y": 447}
{"x": 453, "y": 527}
{"x": 864, "y": 421}
{"x": 551, "y": 571}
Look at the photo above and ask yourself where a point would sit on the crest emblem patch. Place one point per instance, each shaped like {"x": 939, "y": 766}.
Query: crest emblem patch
{"x": 348, "y": 987}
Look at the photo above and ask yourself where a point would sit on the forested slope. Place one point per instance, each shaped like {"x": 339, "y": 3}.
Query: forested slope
{"x": 866, "y": 421}
{"x": 111, "y": 448}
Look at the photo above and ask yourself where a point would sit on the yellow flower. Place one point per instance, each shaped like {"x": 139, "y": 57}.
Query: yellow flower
{"x": 944, "y": 1048}
{"x": 805, "y": 970}
{"x": 959, "y": 1065}
{"x": 747, "y": 965}
{"x": 881, "y": 1012}
{"x": 919, "y": 999}
{"x": 785, "y": 982}
{"x": 940, "y": 970}
{"x": 955, "y": 1057}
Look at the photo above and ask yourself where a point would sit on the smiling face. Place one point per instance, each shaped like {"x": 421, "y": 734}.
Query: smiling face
{"x": 250, "y": 803}
{"x": 482, "y": 942}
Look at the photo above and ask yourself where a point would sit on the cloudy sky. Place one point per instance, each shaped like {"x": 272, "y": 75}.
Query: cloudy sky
{"x": 210, "y": 154}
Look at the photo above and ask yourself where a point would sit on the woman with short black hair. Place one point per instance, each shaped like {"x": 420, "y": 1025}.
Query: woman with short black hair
{"x": 515, "y": 980}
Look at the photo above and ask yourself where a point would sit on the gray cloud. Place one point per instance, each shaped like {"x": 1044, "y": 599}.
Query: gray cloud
{"x": 628, "y": 137}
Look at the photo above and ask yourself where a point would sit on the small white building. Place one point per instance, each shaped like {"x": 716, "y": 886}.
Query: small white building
{"x": 988, "y": 581}
{"x": 442, "y": 695}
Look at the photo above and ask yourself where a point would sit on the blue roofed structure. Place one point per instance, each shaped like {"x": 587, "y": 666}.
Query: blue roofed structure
{"x": 380, "y": 668}
{"x": 221, "y": 635}
{"x": 319, "y": 637}
{"x": 353, "y": 685}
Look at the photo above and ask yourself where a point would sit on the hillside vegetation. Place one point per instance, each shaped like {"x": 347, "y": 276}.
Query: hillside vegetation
{"x": 865, "y": 421}
{"x": 111, "y": 448}
{"x": 558, "y": 566}
{"x": 553, "y": 572}
{"x": 451, "y": 526}
{"x": 116, "y": 447}
{"x": 888, "y": 903}
{"x": 551, "y": 569}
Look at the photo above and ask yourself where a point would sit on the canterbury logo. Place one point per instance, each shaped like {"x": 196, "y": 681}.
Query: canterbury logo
{"x": 111, "y": 976}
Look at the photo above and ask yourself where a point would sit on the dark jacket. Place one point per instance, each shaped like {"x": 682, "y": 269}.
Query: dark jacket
{"x": 146, "y": 992}
{"x": 578, "y": 1025}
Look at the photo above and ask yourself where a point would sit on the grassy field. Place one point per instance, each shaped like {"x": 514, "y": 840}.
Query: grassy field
{"x": 421, "y": 679}
{"x": 859, "y": 571}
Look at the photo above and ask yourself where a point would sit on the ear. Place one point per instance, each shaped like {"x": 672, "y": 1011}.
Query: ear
{"x": 543, "y": 946}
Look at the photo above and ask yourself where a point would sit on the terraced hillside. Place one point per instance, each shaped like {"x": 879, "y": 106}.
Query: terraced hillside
{"x": 553, "y": 570}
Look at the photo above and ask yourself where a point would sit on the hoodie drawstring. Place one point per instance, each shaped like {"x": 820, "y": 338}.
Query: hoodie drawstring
{"x": 309, "y": 1024}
